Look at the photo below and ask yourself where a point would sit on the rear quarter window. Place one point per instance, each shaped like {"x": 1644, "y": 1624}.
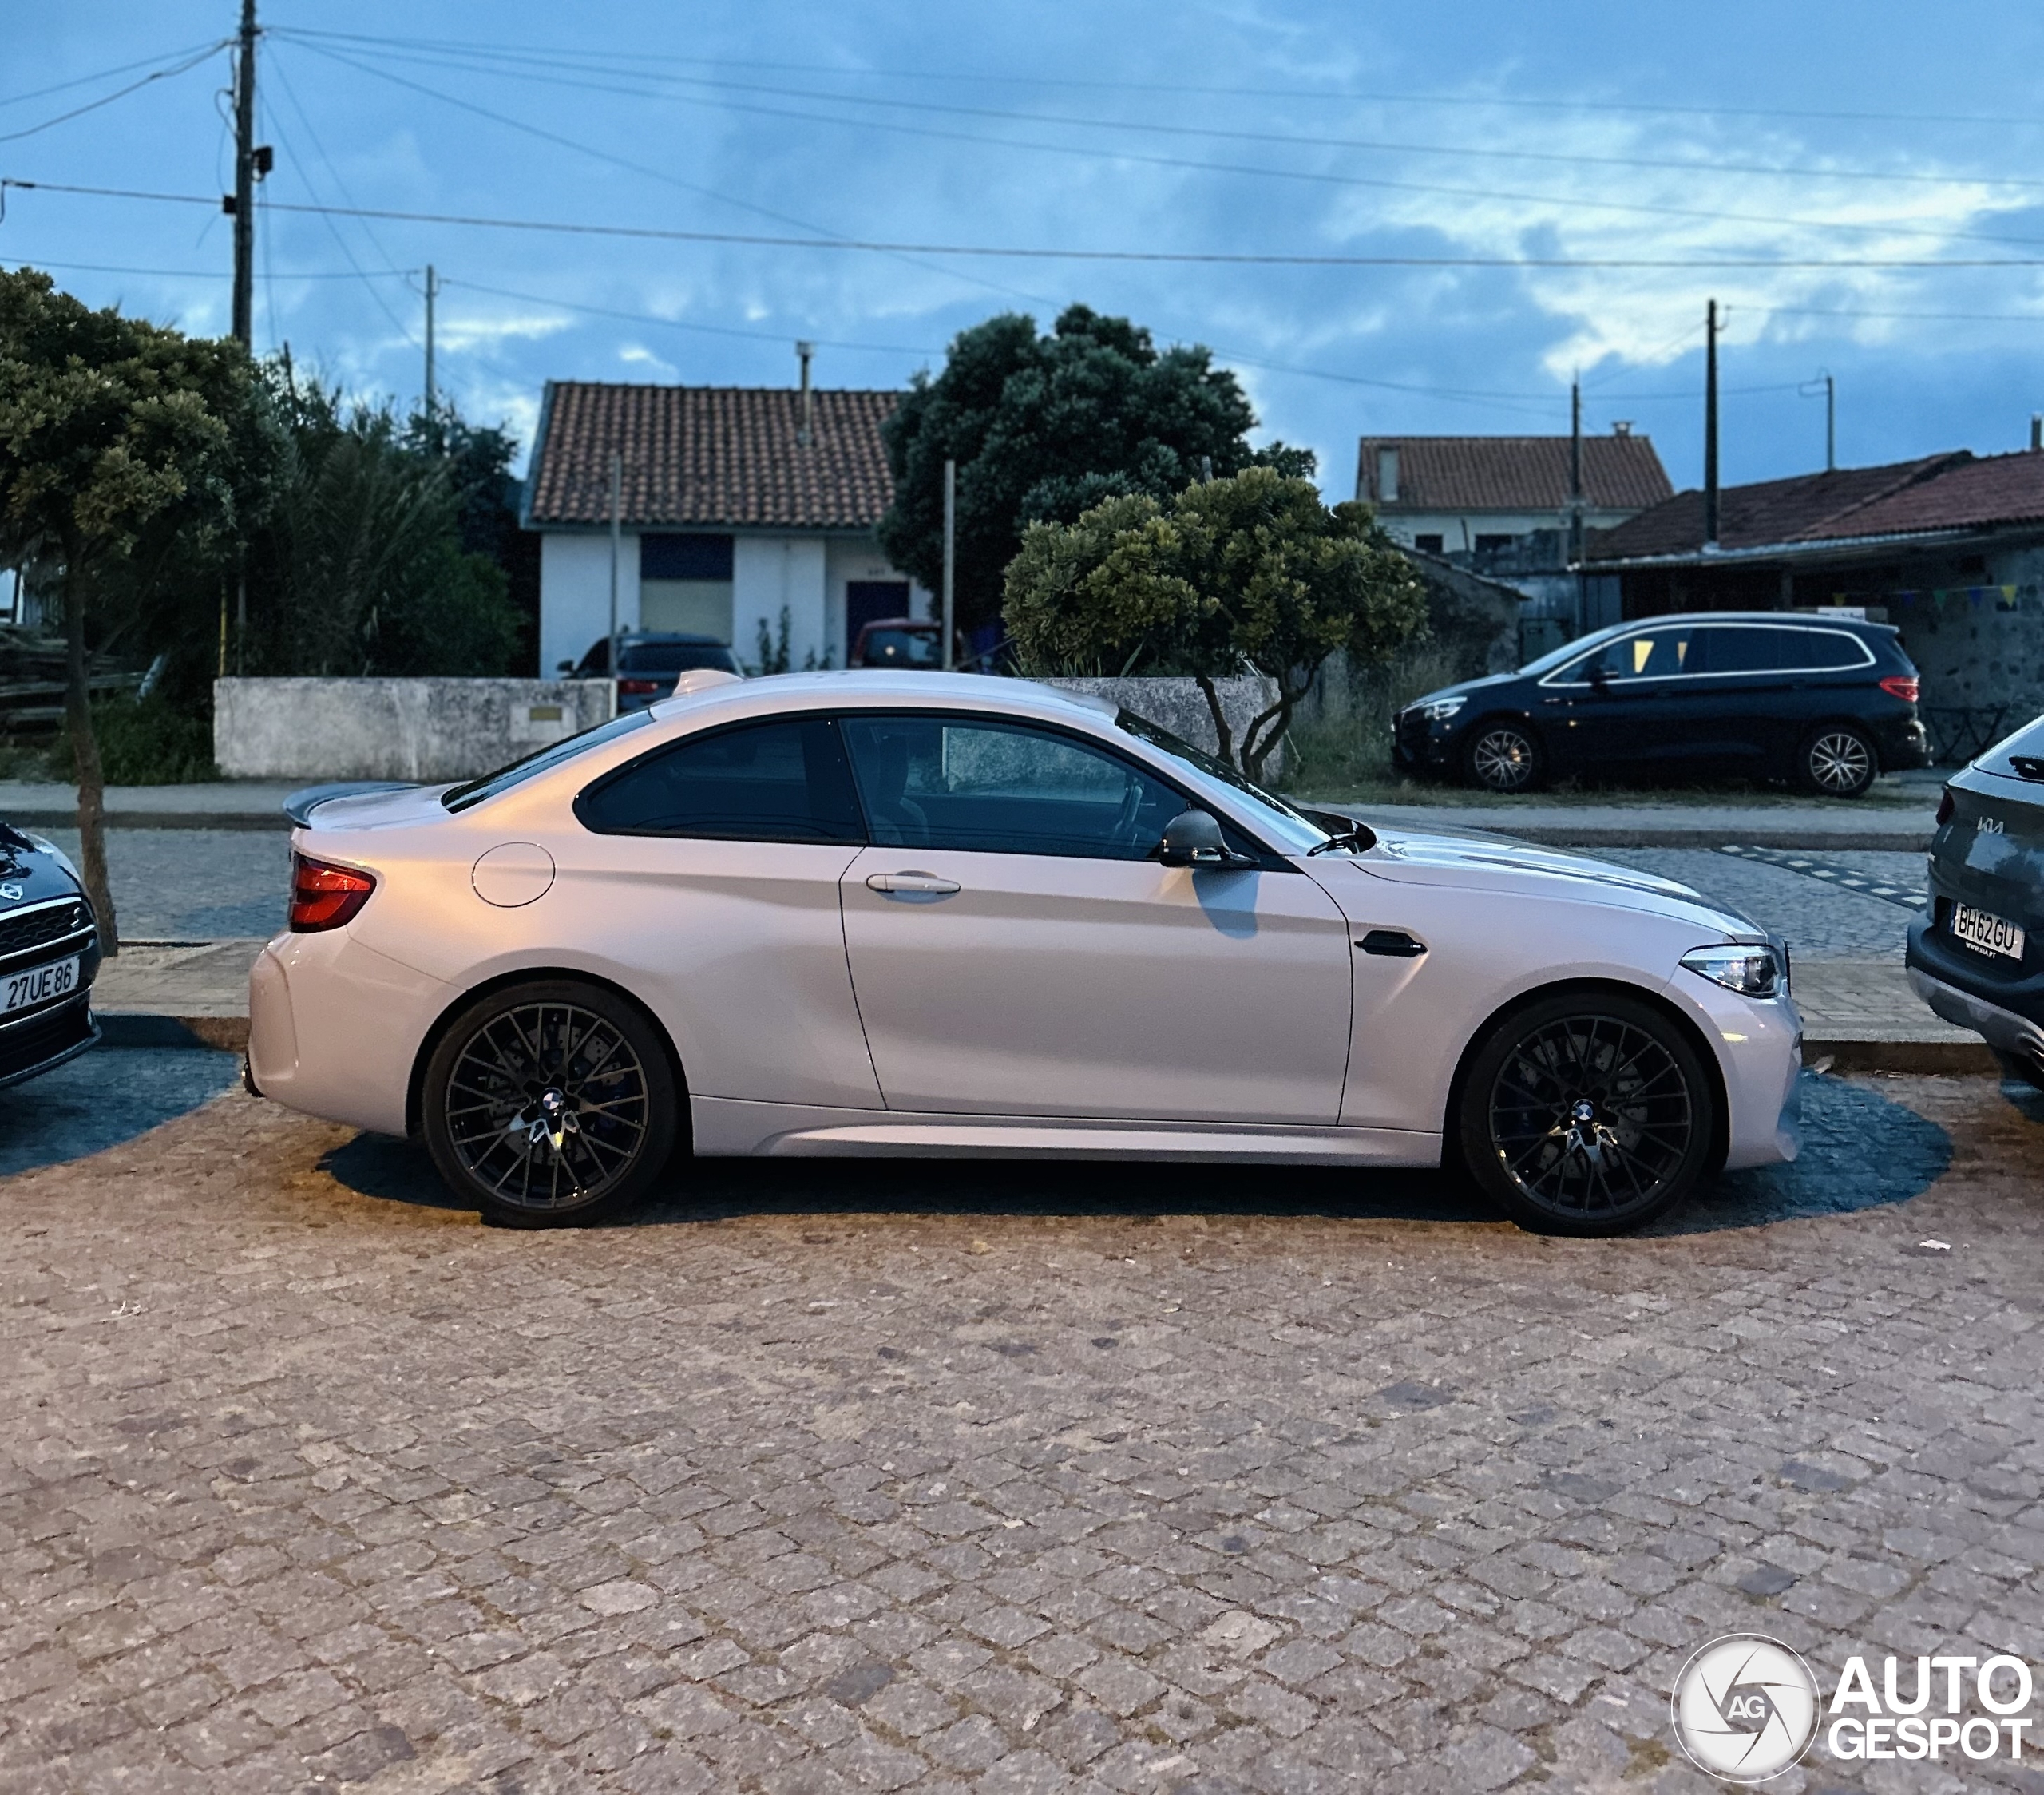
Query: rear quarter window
{"x": 2021, "y": 756}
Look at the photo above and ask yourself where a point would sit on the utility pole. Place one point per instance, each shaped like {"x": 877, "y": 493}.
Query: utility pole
{"x": 244, "y": 207}
{"x": 616, "y": 549}
{"x": 1575, "y": 501}
{"x": 1830, "y": 424}
{"x": 432, "y": 292}
{"x": 1710, "y": 427}
{"x": 950, "y": 556}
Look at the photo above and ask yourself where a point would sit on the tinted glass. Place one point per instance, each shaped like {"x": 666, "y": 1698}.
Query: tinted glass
{"x": 1833, "y": 650}
{"x": 1757, "y": 649}
{"x": 672, "y": 657}
{"x": 998, "y": 788}
{"x": 784, "y": 781}
{"x": 540, "y": 759}
{"x": 1648, "y": 655}
{"x": 893, "y": 648}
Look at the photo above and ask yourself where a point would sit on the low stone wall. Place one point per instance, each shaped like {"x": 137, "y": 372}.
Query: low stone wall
{"x": 1179, "y": 706}
{"x": 427, "y": 729}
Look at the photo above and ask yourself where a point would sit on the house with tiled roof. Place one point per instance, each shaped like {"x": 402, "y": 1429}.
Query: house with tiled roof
{"x": 734, "y": 505}
{"x": 1949, "y": 548}
{"x": 1482, "y": 497}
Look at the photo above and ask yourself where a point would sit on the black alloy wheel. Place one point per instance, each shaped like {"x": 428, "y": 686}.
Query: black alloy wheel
{"x": 549, "y": 1104}
{"x": 1837, "y": 761}
{"x": 1502, "y": 757}
{"x": 1587, "y": 1114}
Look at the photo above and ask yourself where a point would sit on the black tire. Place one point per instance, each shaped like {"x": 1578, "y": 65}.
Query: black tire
{"x": 1500, "y": 755}
{"x": 1837, "y": 760}
{"x": 1587, "y": 1114}
{"x": 558, "y": 1051}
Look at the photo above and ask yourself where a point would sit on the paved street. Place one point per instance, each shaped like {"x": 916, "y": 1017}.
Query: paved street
{"x": 828, "y": 1477}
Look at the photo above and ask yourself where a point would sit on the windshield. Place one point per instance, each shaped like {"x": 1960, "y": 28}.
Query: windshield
{"x": 462, "y": 797}
{"x": 1297, "y": 833}
{"x": 885, "y": 646}
{"x": 1554, "y": 657}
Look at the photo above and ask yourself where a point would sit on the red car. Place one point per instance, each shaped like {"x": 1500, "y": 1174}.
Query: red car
{"x": 903, "y": 642}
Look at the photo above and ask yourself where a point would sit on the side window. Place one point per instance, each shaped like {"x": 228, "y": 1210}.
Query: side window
{"x": 782, "y": 781}
{"x": 1657, "y": 654}
{"x": 1756, "y": 649}
{"x": 1833, "y": 650}
{"x": 933, "y": 781}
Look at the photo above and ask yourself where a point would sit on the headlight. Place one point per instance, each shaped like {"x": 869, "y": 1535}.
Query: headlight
{"x": 1438, "y": 710}
{"x": 1751, "y": 971}
{"x": 43, "y": 845}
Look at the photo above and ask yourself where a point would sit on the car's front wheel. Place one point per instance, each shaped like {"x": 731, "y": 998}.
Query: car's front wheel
{"x": 1587, "y": 1114}
{"x": 1837, "y": 761}
{"x": 1503, "y": 756}
{"x": 549, "y": 1104}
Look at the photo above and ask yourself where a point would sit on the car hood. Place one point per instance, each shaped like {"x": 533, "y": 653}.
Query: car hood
{"x": 1462, "y": 688}
{"x": 31, "y": 870}
{"x": 1412, "y": 857}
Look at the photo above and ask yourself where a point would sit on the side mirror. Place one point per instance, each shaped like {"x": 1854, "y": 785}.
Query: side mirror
{"x": 1600, "y": 677}
{"x": 1193, "y": 839}
{"x": 567, "y": 667}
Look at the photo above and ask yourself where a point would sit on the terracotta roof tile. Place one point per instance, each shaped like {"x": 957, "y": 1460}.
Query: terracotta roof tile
{"x": 1514, "y": 473}
{"x": 717, "y": 456}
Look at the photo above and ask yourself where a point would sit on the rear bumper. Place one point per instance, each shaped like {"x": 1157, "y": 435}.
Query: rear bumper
{"x": 1904, "y": 746}
{"x": 1999, "y": 1028}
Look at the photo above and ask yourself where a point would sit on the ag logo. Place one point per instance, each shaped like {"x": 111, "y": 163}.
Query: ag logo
{"x": 11, "y": 892}
{"x": 1745, "y": 1708}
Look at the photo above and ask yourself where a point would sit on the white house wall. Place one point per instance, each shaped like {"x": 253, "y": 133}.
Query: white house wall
{"x": 575, "y": 593}
{"x": 767, "y": 573}
{"x": 1459, "y": 530}
{"x": 857, "y": 557}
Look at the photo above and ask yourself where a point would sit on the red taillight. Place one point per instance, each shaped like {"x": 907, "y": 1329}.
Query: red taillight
{"x": 636, "y": 688}
{"x": 1945, "y": 808}
{"x": 1903, "y": 686}
{"x": 324, "y": 897}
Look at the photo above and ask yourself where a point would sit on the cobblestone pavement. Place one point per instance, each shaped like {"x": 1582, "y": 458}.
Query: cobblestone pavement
{"x": 1010, "y": 1478}
{"x": 192, "y": 885}
{"x": 1822, "y": 921}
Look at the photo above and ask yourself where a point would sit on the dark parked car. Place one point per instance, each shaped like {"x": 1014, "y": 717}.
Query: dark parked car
{"x": 649, "y": 662}
{"x": 1976, "y": 956}
{"x": 49, "y": 956}
{"x": 903, "y": 642}
{"x": 1826, "y": 702}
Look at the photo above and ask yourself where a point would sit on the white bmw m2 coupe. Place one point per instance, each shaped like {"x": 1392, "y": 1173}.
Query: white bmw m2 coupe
{"x": 911, "y": 913}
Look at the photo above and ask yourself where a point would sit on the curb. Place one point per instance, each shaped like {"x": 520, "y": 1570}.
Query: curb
{"x": 255, "y": 821}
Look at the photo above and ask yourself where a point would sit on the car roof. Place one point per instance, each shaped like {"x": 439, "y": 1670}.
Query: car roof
{"x": 882, "y": 688}
{"x": 1803, "y": 620}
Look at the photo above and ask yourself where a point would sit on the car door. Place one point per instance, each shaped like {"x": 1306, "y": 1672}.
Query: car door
{"x": 1749, "y": 674}
{"x": 1632, "y": 700}
{"x": 707, "y": 881}
{"x": 1016, "y": 951}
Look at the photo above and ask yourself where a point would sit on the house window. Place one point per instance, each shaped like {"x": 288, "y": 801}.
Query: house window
{"x": 685, "y": 584}
{"x": 1427, "y": 545}
{"x": 1494, "y": 545}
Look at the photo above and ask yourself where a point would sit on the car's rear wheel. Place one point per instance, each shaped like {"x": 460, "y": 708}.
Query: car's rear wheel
{"x": 1503, "y": 756}
{"x": 549, "y": 1104}
{"x": 1839, "y": 760}
{"x": 1587, "y": 1114}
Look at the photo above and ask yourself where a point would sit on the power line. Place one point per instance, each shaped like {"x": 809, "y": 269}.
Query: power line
{"x": 108, "y": 99}
{"x": 1648, "y": 109}
{"x": 1311, "y": 176}
{"x": 108, "y": 74}
{"x": 488, "y": 61}
{"x": 1022, "y": 253}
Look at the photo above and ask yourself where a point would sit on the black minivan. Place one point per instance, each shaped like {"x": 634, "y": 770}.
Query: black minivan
{"x": 1826, "y": 702}
{"x": 1976, "y": 955}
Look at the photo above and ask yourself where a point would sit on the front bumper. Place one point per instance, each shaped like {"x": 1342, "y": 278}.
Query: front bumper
{"x": 42, "y": 1040}
{"x": 1419, "y": 746}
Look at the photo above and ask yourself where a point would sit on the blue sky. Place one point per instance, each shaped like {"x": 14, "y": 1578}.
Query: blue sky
{"x": 1850, "y": 135}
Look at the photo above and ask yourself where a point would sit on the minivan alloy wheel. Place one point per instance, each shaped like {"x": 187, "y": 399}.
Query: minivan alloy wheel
{"x": 1839, "y": 762}
{"x": 1503, "y": 758}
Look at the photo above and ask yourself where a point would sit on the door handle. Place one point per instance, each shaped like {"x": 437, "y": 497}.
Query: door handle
{"x": 926, "y": 882}
{"x": 1393, "y": 943}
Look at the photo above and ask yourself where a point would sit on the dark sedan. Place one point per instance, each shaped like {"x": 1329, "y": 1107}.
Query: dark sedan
{"x": 1828, "y": 703}
{"x": 650, "y": 661}
{"x": 1976, "y": 956}
{"x": 49, "y": 956}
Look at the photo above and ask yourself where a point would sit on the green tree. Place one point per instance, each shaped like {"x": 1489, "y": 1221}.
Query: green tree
{"x": 1042, "y": 427}
{"x": 1248, "y": 573}
{"x": 117, "y": 441}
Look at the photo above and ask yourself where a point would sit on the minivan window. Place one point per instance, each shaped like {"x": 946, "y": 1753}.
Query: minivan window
{"x": 1657, "y": 654}
{"x": 1753, "y": 648}
{"x": 1834, "y": 650}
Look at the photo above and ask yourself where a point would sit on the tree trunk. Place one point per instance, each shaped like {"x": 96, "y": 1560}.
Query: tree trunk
{"x": 84, "y": 758}
{"x": 1224, "y": 739}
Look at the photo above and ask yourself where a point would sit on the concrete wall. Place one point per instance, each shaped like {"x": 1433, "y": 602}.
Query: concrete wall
{"x": 575, "y": 593}
{"x": 428, "y": 730}
{"x": 1179, "y": 706}
{"x": 1978, "y": 638}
